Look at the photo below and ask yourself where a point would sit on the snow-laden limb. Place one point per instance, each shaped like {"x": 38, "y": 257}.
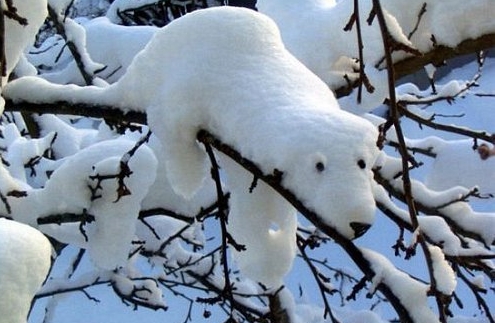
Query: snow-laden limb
{"x": 25, "y": 258}
{"x": 445, "y": 280}
{"x": 56, "y": 285}
{"x": 449, "y": 204}
{"x": 435, "y": 228}
{"x": 116, "y": 55}
{"x": 22, "y": 154}
{"x": 428, "y": 121}
{"x": 117, "y": 193}
{"x": 94, "y": 182}
{"x": 75, "y": 38}
{"x": 320, "y": 41}
{"x": 411, "y": 293}
{"x": 142, "y": 291}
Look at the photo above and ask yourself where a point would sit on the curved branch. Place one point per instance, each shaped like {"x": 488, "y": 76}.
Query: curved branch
{"x": 482, "y": 135}
{"x": 440, "y": 53}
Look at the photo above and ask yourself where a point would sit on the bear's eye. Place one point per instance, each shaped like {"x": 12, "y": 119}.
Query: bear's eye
{"x": 320, "y": 167}
{"x": 361, "y": 163}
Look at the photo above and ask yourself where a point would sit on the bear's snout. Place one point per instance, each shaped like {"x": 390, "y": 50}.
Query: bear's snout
{"x": 359, "y": 228}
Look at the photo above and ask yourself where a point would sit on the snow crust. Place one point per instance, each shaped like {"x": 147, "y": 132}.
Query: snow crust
{"x": 25, "y": 258}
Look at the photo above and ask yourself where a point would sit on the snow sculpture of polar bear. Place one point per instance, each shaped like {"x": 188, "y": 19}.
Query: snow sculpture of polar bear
{"x": 226, "y": 70}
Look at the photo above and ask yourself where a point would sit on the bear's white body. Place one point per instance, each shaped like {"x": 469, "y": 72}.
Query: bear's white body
{"x": 226, "y": 70}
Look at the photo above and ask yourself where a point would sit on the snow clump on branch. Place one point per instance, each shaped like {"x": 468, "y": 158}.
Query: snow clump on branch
{"x": 25, "y": 258}
{"x": 18, "y": 36}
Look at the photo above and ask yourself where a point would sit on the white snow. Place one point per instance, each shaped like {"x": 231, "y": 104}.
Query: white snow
{"x": 25, "y": 258}
{"x": 116, "y": 55}
{"x": 449, "y": 171}
{"x": 314, "y": 32}
{"x": 67, "y": 191}
{"x": 18, "y": 37}
{"x": 410, "y": 292}
{"x": 77, "y": 35}
{"x": 444, "y": 275}
{"x": 109, "y": 237}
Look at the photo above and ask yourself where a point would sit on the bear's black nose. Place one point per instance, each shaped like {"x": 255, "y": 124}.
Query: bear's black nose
{"x": 359, "y": 228}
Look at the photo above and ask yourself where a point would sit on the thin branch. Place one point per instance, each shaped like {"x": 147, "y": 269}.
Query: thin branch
{"x": 60, "y": 27}
{"x": 222, "y": 215}
{"x": 422, "y": 11}
{"x": 322, "y": 286}
{"x": 435, "y": 56}
{"x": 406, "y": 180}
{"x": 482, "y": 135}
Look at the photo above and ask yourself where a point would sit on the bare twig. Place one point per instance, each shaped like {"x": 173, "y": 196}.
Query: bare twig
{"x": 88, "y": 76}
{"x": 482, "y": 135}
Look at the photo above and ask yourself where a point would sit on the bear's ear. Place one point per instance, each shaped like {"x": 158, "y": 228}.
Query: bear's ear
{"x": 318, "y": 162}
